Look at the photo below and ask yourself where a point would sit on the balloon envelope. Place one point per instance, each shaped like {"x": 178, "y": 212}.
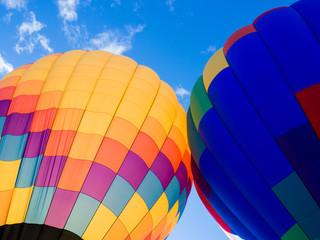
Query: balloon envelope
{"x": 254, "y": 127}
{"x": 92, "y": 146}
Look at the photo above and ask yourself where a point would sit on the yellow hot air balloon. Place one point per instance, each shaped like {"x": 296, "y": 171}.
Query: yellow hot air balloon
{"x": 93, "y": 146}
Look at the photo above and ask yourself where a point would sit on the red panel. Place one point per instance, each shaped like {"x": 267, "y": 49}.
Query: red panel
{"x": 6, "y": 93}
{"x": 23, "y": 104}
{"x": 309, "y": 99}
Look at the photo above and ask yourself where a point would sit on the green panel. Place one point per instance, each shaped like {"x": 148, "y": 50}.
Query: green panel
{"x": 295, "y": 233}
{"x": 295, "y": 197}
{"x": 199, "y": 102}
{"x": 195, "y": 142}
{"x": 311, "y": 225}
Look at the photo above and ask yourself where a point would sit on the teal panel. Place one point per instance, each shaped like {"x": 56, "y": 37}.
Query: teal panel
{"x": 28, "y": 172}
{"x": 12, "y": 147}
{"x": 82, "y": 213}
{"x": 182, "y": 202}
{"x": 310, "y": 225}
{"x": 2, "y": 121}
{"x": 39, "y": 204}
{"x": 295, "y": 197}
{"x": 119, "y": 194}
{"x": 150, "y": 189}
{"x": 173, "y": 192}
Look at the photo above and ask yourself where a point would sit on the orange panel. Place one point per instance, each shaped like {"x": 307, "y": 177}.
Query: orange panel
{"x": 59, "y": 143}
{"x": 172, "y": 152}
{"x": 111, "y": 154}
{"x": 123, "y": 131}
{"x": 176, "y": 135}
{"x": 85, "y": 146}
{"x": 30, "y": 87}
{"x": 186, "y": 159}
{"x": 49, "y": 100}
{"x": 43, "y": 120}
{"x": 26, "y": 66}
{"x": 143, "y": 228}
{"x": 5, "y": 199}
{"x": 118, "y": 231}
{"x": 10, "y": 81}
{"x": 6, "y": 92}
{"x": 23, "y": 104}
{"x": 74, "y": 173}
{"x": 155, "y": 130}
{"x": 67, "y": 119}
{"x": 158, "y": 230}
{"x": 143, "y": 142}
{"x": 149, "y": 236}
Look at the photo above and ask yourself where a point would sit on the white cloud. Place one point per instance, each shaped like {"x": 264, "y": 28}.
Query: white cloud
{"x": 115, "y": 2}
{"x": 14, "y": 4}
{"x": 210, "y": 49}
{"x": 5, "y": 67}
{"x": 29, "y": 36}
{"x": 170, "y": 4}
{"x": 67, "y": 9}
{"x": 7, "y": 17}
{"x": 114, "y": 41}
{"x": 181, "y": 92}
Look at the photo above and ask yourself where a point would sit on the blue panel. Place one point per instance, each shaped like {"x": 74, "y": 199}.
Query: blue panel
{"x": 2, "y": 121}
{"x": 118, "y": 195}
{"x": 39, "y": 204}
{"x": 293, "y": 46}
{"x": 233, "y": 199}
{"x": 264, "y": 84}
{"x": 28, "y": 172}
{"x": 150, "y": 189}
{"x": 309, "y": 10}
{"x": 173, "y": 192}
{"x": 12, "y": 147}
{"x": 247, "y": 128}
{"x": 81, "y": 214}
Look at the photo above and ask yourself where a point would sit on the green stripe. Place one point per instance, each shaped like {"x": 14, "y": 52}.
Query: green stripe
{"x": 295, "y": 233}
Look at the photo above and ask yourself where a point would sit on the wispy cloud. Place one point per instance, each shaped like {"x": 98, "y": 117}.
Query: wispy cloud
{"x": 183, "y": 96}
{"x": 137, "y": 5}
{"x": 115, "y": 3}
{"x": 14, "y": 4}
{"x": 170, "y": 5}
{"x": 67, "y": 9}
{"x": 7, "y": 17}
{"x": 210, "y": 49}
{"x": 5, "y": 67}
{"x": 29, "y": 35}
{"x": 114, "y": 41}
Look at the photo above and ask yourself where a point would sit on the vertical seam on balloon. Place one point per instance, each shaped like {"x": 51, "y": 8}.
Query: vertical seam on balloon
{"x": 127, "y": 87}
{"x": 270, "y": 134}
{"x": 106, "y": 61}
{"x": 157, "y": 177}
{"x": 300, "y": 107}
{"x": 245, "y": 157}
{"x": 26, "y": 141}
{"x": 237, "y": 217}
{"x": 146, "y": 116}
{"x": 50, "y": 128}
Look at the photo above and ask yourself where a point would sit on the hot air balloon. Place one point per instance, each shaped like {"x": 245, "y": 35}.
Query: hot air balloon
{"x": 93, "y": 146}
{"x": 254, "y": 127}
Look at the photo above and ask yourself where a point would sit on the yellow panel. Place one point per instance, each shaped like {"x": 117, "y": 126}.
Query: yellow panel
{"x": 181, "y": 122}
{"x": 5, "y": 199}
{"x": 75, "y": 99}
{"x": 62, "y": 70}
{"x": 101, "y": 102}
{"x": 172, "y": 213}
{"x": 143, "y": 229}
{"x": 165, "y": 106}
{"x": 160, "y": 209}
{"x": 14, "y": 73}
{"x": 8, "y": 174}
{"x": 133, "y": 213}
{"x": 136, "y": 102}
{"x": 95, "y": 123}
{"x": 19, "y": 205}
{"x": 85, "y": 146}
{"x": 100, "y": 224}
{"x": 216, "y": 64}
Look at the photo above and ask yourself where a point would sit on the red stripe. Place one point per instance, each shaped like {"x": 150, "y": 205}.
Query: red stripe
{"x": 236, "y": 36}
{"x": 7, "y": 93}
{"x": 309, "y": 99}
{"x": 255, "y": 21}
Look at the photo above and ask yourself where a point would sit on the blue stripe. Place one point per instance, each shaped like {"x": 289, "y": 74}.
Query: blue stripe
{"x": 12, "y": 147}
{"x": 28, "y": 172}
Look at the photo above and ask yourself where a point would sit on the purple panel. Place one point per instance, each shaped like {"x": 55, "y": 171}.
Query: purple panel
{"x": 98, "y": 181}
{"x": 50, "y": 171}
{"x": 163, "y": 169}
{"x": 182, "y": 176}
{"x": 60, "y": 208}
{"x": 36, "y": 143}
{"x": 4, "y": 107}
{"x": 188, "y": 187}
{"x": 17, "y": 124}
{"x": 133, "y": 169}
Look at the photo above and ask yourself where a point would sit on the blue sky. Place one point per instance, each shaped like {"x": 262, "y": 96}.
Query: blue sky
{"x": 174, "y": 37}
